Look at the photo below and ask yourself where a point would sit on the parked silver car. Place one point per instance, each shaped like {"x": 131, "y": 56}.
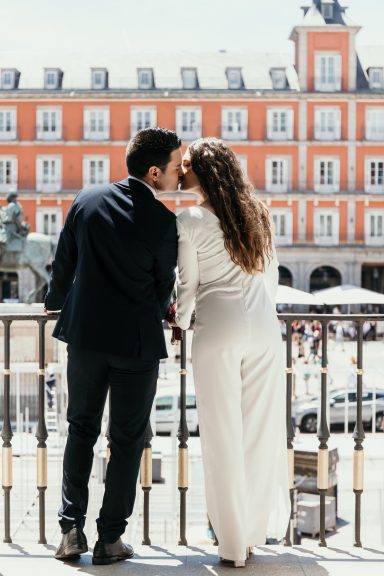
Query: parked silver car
{"x": 306, "y": 411}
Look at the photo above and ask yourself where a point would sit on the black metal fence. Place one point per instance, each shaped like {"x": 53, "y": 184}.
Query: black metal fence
{"x": 183, "y": 460}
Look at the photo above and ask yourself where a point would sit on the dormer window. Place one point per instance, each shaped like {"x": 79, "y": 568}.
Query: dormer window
{"x": 53, "y": 78}
{"x": 279, "y": 78}
{"x": 99, "y": 78}
{"x": 145, "y": 78}
{"x": 327, "y": 10}
{"x": 235, "y": 79}
{"x": 189, "y": 77}
{"x": 375, "y": 76}
{"x": 10, "y": 78}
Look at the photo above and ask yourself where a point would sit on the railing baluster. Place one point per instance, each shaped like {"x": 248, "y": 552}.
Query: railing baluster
{"x": 42, "y": 435}
{"x": 6, "y": 435}
{"x": 323, "y": 434}
{"x": 146, "y": 481}
{"x": 292, "y": 528}
{"x": 358, "y": 436}
{"x": 183, "y": 446}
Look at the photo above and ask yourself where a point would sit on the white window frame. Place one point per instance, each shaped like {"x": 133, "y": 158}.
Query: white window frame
{"x": 320, "y": 229}
{"x": 52, "y": 182}
{"x": 234, "y": 123}
{"x": 95, "y": 72}
{"x": 279, "y": 78}
{"x": 11, "y": 84}
{"x": 92, "y": 122}
{"x": 327, "y": 11}
{"x": 187, "y": 127}
{"x": 44, "y": 123}
{"x": 374, "y": 123}
{"x": 374, "y": 223}
{"x": 374, "y": 83}
{"x": 327, "y": 123}
{"x": 325, "y": 186}
{"x": 275, "y": 123}
{"x": 235, "y": 78}
{"x": 11, "y": 113}
{"x": 143, "y": 83}
{"x": 282, "y": 218}
{"x": 283, "y": 172}
{"x": 45, "y": 222}
{"x": 325, "y": 84}
{"x": 55, "y": 74}
{"x": 148, "y": 121}
{"x": 376, "y": 187}
{"x": 189, "y": 78}
{"x": 11, "y": 185}
{"x": 100, "y": 177}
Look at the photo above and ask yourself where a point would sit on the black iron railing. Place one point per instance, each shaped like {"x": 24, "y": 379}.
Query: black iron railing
{"x": 183, "y": 434}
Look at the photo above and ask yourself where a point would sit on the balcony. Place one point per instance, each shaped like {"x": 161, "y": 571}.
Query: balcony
{"x": 173, "y": 512}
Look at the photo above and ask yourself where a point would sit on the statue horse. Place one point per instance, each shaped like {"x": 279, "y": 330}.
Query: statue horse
{"x": 37, "y": 253}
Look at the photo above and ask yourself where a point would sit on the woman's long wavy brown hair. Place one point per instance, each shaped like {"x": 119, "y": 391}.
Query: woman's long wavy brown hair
{"x": 244, "y": 219}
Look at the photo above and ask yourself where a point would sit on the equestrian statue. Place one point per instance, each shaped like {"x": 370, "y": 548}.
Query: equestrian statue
{"x": 20, "y": 248}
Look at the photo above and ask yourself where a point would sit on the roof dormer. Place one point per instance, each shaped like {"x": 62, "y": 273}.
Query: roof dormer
{"x": 279, "y": 78}
{"x": 145, "y": 78}
{"x": 10, "y": 78}
{"x": 375, "y": 77}
{"x": 189, "y": 78}
{"x": 99, "y": 78}
{"x": 235, "y": 78}
{"x": 53, "y": 78}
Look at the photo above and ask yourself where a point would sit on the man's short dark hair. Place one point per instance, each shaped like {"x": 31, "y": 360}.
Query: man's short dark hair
{"x": 150, "y": 147}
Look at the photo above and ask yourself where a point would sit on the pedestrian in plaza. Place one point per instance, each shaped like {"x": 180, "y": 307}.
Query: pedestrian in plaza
{"x": 227, "y": 264}
{"x": 112, "y": 279}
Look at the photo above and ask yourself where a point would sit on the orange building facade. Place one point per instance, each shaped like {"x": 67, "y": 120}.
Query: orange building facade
{"x": 310, "y": 139}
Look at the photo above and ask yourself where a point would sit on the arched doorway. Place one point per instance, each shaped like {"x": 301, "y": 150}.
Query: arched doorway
{"x": 324, "y": 277}
{"x": 285, "y": 276}
{"x": 9, "y": 287}
{"x": 372, "y": 277}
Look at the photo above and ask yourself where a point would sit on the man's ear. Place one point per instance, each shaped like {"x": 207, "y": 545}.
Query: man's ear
{"x": 153, "y": 173}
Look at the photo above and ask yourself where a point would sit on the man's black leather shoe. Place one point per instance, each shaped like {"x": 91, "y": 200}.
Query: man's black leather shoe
{"x": 72, "y": 544}
{"x": 107, "y": 553}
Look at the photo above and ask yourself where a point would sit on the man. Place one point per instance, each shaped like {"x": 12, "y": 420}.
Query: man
{"x": 112, "y": 279}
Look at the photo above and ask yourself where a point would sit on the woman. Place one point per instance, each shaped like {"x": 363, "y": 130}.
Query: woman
{"x": 227, "y": 265}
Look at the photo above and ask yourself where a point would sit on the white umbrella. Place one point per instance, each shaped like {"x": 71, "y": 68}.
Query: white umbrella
{"x": 349, "y": 294}
{"x": 288, "y": 295}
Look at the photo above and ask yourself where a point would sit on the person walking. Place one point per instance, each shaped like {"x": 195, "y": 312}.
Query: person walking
{"x": 228, "y": 267}
{"x": 112, "y": 278}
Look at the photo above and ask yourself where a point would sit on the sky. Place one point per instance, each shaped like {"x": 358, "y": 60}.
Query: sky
{"x": 124, "y": 26}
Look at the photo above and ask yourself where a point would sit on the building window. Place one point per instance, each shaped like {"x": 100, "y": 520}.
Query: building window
{"x": 49, "y": 125}
{"x": 142, "y": 117}
{"x": 188, "y": 122}
{"x": 280, "y": 123}
{"x": 328, "y": 72}
{"x": 375, "y": 76}
{"x": 8, "y": 173}
{"x": 374, "y": 227}
{"x": 189, "y": 77}
{"x": 96, "y": 123}
{"x": 243, "y": 159}
{"x": 10, "y": 78}
{"x": 326, "y": 226}
{"x": 53, "y": 78}
{"x": 327, "y": 11}
{"x": 235, "y": 79}
{"x": 277, "y": 174}
{"x": 279, "y": 78}
{"x": 374, "y": 175}
{"x": 48, "y": 174}
{"x": 145, "y": 78}
{"x": 49, "y": 221}
{"x": 327, "y": 123}
{"x": 99, "y": 78}
{"x": 95, "y": 170}
{"x": 234, "y": 123}
{"x": 374, "y": 123}
{"x": 327, "y": 175}
{"x": 7, "y": 123}
{"x": 282, "y": 223}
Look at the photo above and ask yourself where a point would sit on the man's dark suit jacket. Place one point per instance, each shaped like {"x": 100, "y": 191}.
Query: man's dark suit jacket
{"x": 114, "y": 271}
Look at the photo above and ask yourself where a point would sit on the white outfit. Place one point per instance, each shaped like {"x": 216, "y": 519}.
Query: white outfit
{"x": 240, "y": 387}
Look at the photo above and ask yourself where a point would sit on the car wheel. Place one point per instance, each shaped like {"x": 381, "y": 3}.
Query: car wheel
{"x": 379, "y": 422}
{"x": 309, "y": 424}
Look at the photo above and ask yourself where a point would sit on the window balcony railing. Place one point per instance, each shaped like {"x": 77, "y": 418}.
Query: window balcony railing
{"x": 323, "y": 429}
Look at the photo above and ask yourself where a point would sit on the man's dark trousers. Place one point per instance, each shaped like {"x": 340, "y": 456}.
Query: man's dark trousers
{"x": 132, "y": 385}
